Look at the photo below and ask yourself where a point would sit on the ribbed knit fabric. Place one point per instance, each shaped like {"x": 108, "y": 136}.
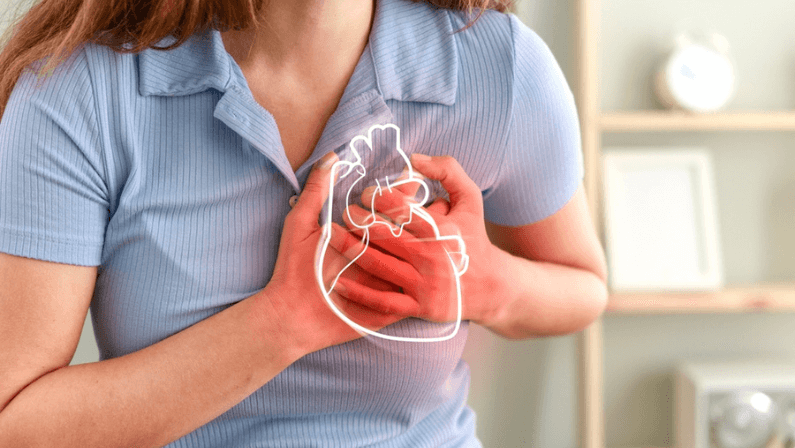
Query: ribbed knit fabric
{"x": 162, "y": 169}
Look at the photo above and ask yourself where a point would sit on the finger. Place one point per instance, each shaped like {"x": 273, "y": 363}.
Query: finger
{"x": 424, "y": 255}
{"x": 359, "y": 275}
{"x": 394, "y": 200}
{"x": 364, "y": 316}
{"x": 439, "y": 207}
{"x": 373, "y": 261}
{"x": 315, "y": 192}
{"x": 408, "y": 183}
{"x": 357, "y": 218}
{"x": 424, "y": 223}
{"x": 336, "y": 264}
{"x": 382, "y": 233}
{"x": 463, "y": 191}
{"x": 432, "y": 222}
{"x": 392, "y": 205}
{"x": 346, "y": 242}
{"x": 380, "y": 301}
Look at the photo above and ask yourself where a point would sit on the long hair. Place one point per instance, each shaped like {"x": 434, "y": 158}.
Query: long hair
{"x": 53, "y": 29}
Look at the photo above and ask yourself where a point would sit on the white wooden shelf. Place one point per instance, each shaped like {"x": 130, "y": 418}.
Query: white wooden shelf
{"x": 770, "y": 298}
{"x": 645, "y": 121}
{"x": 594, "y": 123}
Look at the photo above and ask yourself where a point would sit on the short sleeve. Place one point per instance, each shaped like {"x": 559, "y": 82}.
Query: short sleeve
{"x": 53, "y": 198}
{"x": 543, "y": 164}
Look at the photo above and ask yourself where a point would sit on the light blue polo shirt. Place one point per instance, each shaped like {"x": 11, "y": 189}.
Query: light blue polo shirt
{"x": 162, "y": 169}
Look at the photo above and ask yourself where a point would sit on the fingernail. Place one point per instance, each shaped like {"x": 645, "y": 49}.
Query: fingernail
{"x": 358, "y": 212}
{"x": 415, "y": 174}
{"x": 360, "y": 216}
{"x": 327, "y": 161}
{"x": 369, "y": 191}
{"x": 420, "y": 158}
{"x": 340, "y": 289}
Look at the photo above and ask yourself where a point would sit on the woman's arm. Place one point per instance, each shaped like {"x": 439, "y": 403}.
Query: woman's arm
{"x": 145, "y": 399}
{"x": 162, "y": 392}
{"x": 546, "y": 278}
{"x": 553, "y": 273}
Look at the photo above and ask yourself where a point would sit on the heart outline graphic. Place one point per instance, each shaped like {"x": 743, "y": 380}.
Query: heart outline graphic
{"x": 415, "y": 209}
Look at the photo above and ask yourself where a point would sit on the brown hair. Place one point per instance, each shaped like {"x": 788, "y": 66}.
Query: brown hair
{"x": 58, "y": 27}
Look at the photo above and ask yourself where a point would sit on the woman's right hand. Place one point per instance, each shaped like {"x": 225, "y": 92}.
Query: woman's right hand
{"x": 293, "y": 295}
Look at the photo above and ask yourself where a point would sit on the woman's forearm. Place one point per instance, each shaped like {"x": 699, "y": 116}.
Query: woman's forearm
{"x": 544, "y": 299}
{"x": 156, "y": 395}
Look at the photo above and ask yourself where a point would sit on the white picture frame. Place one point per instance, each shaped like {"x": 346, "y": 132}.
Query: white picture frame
{"x": 660, "y": 210}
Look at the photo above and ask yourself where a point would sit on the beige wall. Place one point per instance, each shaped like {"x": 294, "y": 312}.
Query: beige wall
{"x": 525, "y": 392}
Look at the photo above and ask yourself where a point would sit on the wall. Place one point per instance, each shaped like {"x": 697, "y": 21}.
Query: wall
{"x": 525, "y": 391}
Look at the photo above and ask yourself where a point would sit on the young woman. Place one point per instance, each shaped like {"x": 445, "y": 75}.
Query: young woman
{"x": 158, "y": 186}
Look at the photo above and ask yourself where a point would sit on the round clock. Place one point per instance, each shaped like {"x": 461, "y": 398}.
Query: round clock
{"x": 697, "y": 76}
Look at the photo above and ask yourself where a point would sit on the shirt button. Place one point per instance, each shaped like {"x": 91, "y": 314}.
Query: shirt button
{"x": 293, "y": 200}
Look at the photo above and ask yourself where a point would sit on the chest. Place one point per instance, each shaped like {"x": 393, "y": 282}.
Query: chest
{"x": 300, "y": 117}
{"x": 300, "y": 131}
{"x": 198, "y": 209}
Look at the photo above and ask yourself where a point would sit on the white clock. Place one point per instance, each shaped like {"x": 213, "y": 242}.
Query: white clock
{"x": 698, "y": 76}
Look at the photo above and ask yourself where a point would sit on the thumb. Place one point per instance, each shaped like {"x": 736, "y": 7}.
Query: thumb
{"x": 463, "y": 191}
{"x": 316, "y": 190}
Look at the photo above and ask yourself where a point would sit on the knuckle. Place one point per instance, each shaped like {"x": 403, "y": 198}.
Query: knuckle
{"x": 350, "y": 247}
{"x": 449, "y": 162}
{"x": 413, "y": 309}
{"x": 432, "y": 314}
{"x": 296, "y": 219}
{"x": 344, "y": 245}
{"x": 391, "y": 309}
{"x": 382, "y": 307}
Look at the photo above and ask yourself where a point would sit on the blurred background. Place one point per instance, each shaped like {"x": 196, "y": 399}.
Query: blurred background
{"x": 525, "y": 392}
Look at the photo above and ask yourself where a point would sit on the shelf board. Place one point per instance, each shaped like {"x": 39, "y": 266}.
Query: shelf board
{"x": 644, "y": 121}
{"x": 746, "y": 299}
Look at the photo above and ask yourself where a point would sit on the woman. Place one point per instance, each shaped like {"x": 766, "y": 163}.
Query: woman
{"x": 157, "y": 186}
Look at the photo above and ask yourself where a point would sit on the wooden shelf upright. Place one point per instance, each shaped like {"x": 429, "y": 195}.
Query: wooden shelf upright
{"x": 589, "y": 344}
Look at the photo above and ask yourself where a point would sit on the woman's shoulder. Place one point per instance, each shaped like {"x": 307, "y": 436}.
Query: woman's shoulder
{"x": 501, "y": 41}
{"x": 73, "y": 80}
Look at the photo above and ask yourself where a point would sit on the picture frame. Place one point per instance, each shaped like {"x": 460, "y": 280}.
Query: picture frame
{"x": 661, "y": 226}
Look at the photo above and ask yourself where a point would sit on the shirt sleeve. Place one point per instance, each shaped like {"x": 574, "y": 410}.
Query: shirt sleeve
{"x": 543, "y": 164}
{"x": 53, "y": 198}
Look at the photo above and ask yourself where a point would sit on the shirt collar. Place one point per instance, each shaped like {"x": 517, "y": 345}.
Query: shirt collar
{"x": 412, "y": 45}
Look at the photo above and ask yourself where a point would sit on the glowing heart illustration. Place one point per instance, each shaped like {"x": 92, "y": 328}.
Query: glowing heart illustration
{"x": 459, "y": 260}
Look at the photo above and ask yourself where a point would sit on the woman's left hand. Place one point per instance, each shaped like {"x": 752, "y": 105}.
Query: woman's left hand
{"x": 417, "y": 261}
